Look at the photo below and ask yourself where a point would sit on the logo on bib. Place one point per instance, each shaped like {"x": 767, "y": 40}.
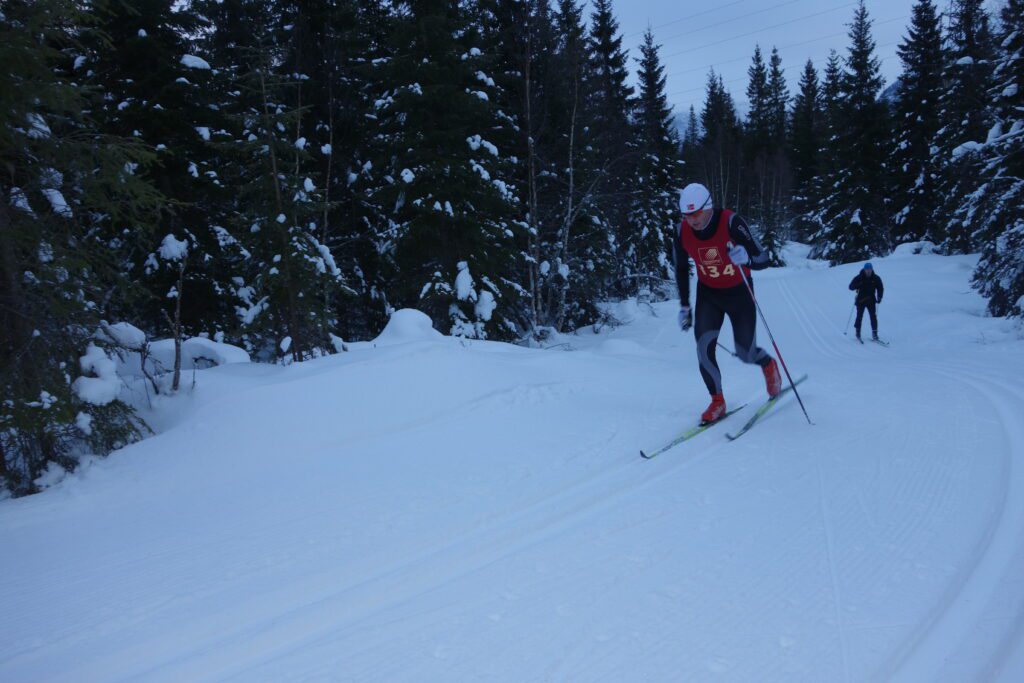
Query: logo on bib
{"x": 710, "y": 256}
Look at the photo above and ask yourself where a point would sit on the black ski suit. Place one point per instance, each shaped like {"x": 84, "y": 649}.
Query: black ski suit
{"x": 713, "y": 305}
{"x": 869, "y": 292}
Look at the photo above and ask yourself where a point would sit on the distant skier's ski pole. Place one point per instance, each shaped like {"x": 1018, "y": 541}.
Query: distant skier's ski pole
{"x": 727, "y": 349}
{"x": 772, "y": 337}
{"x": 852, "y": 309}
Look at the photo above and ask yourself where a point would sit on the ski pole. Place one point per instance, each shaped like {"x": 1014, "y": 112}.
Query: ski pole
{"x": 852, "y": 309}
{"x": 727, "y": 349}
{"x": 772, "y": 337}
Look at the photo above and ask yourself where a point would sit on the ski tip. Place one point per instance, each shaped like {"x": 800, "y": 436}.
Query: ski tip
{"x": 644, "y": 456}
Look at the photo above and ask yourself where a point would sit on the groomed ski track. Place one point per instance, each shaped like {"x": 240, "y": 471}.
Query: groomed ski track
{"x": 437, "y": 510}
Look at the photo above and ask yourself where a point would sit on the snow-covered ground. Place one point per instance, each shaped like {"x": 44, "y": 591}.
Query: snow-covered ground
{"x": 427, "y": 509}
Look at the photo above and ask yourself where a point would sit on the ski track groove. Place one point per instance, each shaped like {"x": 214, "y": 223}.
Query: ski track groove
{"x": 837, "y": 600}
{"x": 940, "y": 487}
{"x": 949, "y": 612}
{"x": 608, "y": 487}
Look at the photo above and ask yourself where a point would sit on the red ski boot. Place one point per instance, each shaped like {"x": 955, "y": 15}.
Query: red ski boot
{"x": 715, "y": 411}
{"x": 772, "y": 378}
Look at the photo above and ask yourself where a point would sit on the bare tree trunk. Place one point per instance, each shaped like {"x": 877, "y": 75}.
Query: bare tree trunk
{"x": 292, "y": 328}
{"x": 531, "y": 180}
{"x": 563, "y": 240}
{"x": 175, "y": 324}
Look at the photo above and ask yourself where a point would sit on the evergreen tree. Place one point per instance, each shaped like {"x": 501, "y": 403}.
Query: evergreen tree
{"x": 285, "y": 289}
{"x": 610, "y": 136}
{"x": 757, "y": 133}
{"x": 806, "y": 139}
{"x": 915, "y": 125}
{"x": 778, "y": 100}
{"x": 330, "y": 44}
{"x": 720, "y": 149}
{"x": 654, "y": 213}
{"x": 780, "y": 187}
{"x": 853, "y": 213}
{"x": 766, "y": 167}
{"x": 155, "y": 90}
{"x": 450, "y": 186}
{"x": 571, "y": 261}
{"x": 964, "y": 119}
{"x": 525, "y": 36}
{"x": 691, "y": 144}
{"x": 65, "y": 190}
{"x": 996, "y": 208}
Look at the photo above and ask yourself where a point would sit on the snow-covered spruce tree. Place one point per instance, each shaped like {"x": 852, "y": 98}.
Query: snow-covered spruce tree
{"x": 965, "y": 117}
{"x": 996, "y": 208}
{"x": 610, "y": 136}
{"x": 523, "y": 34}
{"x": 691, "y": 144}
{"x": 915, "y": 123}
{"x": 766, "y": 167}
{"x": 570, "y": 267}
{"x": 654, "y": 213}
{"x": 830, "y": 157}
{"x": 64, "y": 190}
{"x": 780, "y": 188}
{"x": 721, "y": 154}
{"x": 448, "y": 186}
{"x": 806, "y": 136}
{"x": 289, "y": 274}
{"x": 332, "y": 44}
{"x": 158, "y": 92}
{"x": 853, "y": 213}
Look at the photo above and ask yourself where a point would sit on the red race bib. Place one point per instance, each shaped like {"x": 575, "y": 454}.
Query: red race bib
{"x": 714, "y": 269}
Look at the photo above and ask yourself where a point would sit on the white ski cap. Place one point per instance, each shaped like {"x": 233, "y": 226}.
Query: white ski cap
{"x": 693, "y": 198}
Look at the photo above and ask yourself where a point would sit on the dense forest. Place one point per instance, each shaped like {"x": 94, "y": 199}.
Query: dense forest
{"x": 282, "y": 175}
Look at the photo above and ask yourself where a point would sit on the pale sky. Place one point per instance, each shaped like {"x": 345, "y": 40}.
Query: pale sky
{"x": 722, "y": 33}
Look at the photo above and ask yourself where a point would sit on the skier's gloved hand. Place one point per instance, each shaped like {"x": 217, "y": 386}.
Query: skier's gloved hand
{"x": 685, "y": 318}
{"x": 879, "y": 300}
{"x": 739, "y": 255}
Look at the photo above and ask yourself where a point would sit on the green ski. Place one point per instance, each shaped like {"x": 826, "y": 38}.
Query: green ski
{"x": 689, "y": 434}
{"x": 765, "y": 407}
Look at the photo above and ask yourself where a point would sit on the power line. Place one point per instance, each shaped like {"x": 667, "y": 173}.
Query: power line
{"x": 687, "y": 18}
{"x": 784, "y": 47}
{"x": 741, "y": 78}
{"x": 760, "y": 30}
{"x": 729, "y": 21}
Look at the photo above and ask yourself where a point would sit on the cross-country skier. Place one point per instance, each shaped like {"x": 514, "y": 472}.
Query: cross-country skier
{"x": 869, "y": 290}
{"x": 720, "y": 243}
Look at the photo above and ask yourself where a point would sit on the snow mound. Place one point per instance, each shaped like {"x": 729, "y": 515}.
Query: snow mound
{"x": 125, "y": 335}
{"x": 104, "y": 386}
{"x": 408, "y": 325}
{"x": 912, "y": 248}
{"x": 197, "y": 353}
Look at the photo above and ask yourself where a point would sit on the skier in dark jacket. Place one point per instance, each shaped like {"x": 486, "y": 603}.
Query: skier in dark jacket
{"x": 869, "y": 292}
{"x": 722, "y": 247}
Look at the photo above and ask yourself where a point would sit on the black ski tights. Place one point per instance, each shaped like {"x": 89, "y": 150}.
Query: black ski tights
{"x": 712, "y": 307}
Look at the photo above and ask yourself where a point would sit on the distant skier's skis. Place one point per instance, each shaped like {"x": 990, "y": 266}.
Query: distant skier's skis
{"x": 689, "y": 434}
{"x": 765, "y": 407}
